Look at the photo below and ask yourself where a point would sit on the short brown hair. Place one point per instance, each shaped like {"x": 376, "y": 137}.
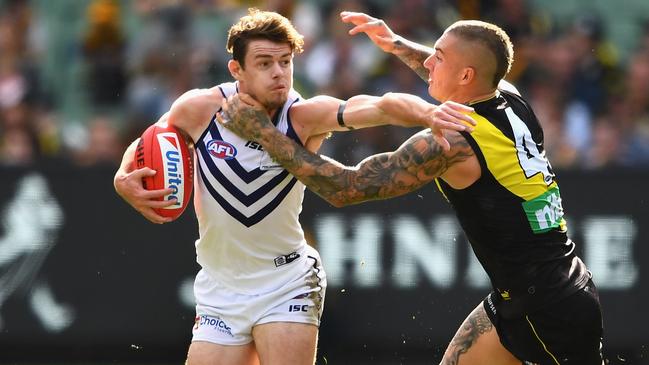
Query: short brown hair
{"x": 261, "y": 25}
{"x": 494, "y": 38}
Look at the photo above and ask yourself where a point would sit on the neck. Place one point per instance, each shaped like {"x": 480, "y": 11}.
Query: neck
{"x": 468, "y": 96}
{"x": 482, "y": 97}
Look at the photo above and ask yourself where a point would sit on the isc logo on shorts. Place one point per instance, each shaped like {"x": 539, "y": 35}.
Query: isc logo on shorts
{"x": 298, "y": 308}
{"x": 214, "y": 322}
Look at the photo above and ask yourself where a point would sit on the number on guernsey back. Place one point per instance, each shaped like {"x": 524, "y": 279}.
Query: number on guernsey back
{"x": 532, "y": 161}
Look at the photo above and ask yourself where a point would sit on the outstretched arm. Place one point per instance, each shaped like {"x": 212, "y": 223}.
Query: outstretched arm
{"x": 322, "y": 114}
{"x": 411, "y": 53}
{"x": 418, "y": 161}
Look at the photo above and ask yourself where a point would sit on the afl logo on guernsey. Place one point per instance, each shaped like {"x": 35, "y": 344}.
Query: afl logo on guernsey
{"x": 221, "y": 149}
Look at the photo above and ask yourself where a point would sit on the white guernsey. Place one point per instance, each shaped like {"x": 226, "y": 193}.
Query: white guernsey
{"x": 251, "y": 240}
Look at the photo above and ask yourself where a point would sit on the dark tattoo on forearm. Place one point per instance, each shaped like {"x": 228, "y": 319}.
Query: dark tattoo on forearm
{"x": 417, "y": 162}
{"x": 413, "y": 56}
{"x": 474, "y": 326}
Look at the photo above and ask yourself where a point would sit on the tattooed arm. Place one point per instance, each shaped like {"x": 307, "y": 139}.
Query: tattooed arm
{"x": 476, "y": 325}
{"x": 415, "y": 163}
{"x": 411, "y": 53}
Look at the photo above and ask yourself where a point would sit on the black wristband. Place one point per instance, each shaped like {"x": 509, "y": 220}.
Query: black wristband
{"x": 339, "y": 116}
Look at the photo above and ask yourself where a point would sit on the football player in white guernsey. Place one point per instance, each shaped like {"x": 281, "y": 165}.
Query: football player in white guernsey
{"x": 260, "y": 292}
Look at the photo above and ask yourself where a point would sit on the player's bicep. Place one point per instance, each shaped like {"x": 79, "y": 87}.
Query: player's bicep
{"x": 315, "y": 116}
{"x": 323, "y": 114}
{"x": 417, "y": 162}
{"x": 193, "y": 110}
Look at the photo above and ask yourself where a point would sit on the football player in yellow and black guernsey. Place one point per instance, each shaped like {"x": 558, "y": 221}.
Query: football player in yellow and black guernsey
{"x": 544, "y": 307}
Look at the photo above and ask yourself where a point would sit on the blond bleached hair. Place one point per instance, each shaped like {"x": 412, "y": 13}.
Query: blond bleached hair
{"x": 491, "y": 36}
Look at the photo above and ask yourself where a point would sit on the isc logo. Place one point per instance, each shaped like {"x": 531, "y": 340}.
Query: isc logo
{"x": 298, "y": 308}
{"x": 254, "y": 145}
{"x": 221, "y": 149}
{"x": 173, "y": 167}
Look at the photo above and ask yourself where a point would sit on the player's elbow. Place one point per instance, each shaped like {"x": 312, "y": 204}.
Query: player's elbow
{"x": 384, "y": 103}
{"x": 343, "y": 200}
{"x": 334, "y": 198}
{"x": 393, "y": 109}
{"x": 392, "y": 99}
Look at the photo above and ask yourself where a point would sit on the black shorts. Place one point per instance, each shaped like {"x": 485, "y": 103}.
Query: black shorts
{"x": 567, "y": 332}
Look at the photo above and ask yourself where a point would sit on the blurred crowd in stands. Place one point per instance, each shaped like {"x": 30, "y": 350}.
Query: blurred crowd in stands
{"x": 126, "y": 61}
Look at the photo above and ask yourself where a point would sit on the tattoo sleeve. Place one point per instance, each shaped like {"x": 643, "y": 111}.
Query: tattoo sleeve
{"x": 413, "y": 55}
{"x": 475, "y": 325}
{"x": 418, "y": 161}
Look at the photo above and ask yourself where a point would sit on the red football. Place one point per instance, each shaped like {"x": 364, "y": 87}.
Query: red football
{"x": 163, "y": 149}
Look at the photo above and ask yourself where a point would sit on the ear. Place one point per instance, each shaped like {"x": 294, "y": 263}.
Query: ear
{"x": 467, "y": 75}
{"x": 235, "y": 69}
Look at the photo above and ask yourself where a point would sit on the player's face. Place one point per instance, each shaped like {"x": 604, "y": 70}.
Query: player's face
{"x": 268, "y": 72}
{"x": 444, "y": 68}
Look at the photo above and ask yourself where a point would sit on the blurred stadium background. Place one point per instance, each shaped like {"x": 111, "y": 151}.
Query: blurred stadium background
{"x": 85, "y": 279}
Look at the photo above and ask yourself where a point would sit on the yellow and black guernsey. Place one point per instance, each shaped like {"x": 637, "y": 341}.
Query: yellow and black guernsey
{"x": 512, "y": 215}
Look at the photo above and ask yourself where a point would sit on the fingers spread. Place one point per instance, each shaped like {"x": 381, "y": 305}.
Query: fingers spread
{"x": 445, "y": 114}
{"x": 161, "y": 203}
{"x": 364, "y": 27}
{"x": 358, "y": 29}
{"x": 459, "y": 118}
{"x": 355, "y": 18}
{"x": 221, "y": 118}
{"x": 467, "y": 118}
{"x": 459, "y": 111}
{"x": 249, "y": 101}
{"x": 246, "y": 99}
{"x": 460, "y": 107}
{"x": 451, "y": 125}
{"x": 143, "y": 172}
{"x": 156, "y": 194}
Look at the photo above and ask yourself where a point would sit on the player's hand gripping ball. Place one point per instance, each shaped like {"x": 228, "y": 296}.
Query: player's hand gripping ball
{"x": 163, "y": 149}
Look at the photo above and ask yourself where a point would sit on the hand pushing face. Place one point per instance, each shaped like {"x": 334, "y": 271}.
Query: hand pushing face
{"x": 244, "y": 116}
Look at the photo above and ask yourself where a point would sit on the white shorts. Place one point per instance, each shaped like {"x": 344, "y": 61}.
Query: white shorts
{"x": 227, "y": 318}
